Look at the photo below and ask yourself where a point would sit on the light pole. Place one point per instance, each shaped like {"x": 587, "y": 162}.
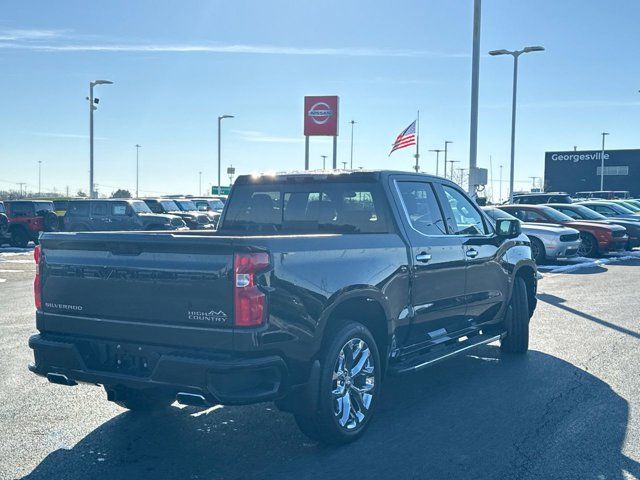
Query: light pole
{"x": 137, "y": 169}
{"x": 39, "y": 178}
{"x": 451, "y": 162}
{"x": 352, "y": 122}
{"x": 446, "y": 144}
{"x": 437, "y": 150}
{"x": 93, "y": 106}
{"x": 200, "y": 183}
{"x": 324, "y": 161}
{"x": 515, "y": 54}
{"x": 500, "y": 184}
{"x": 344, "y": 165}
{"x": 604, "y": 134}
{"x": 220, "y": 118}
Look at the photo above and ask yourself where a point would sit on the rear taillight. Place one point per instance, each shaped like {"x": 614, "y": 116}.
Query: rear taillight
{"x": 249, "y": 300}
{"x": 36, "y": 282}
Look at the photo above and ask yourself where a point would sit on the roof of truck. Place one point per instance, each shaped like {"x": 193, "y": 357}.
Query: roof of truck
{"x": 340, "y": 175}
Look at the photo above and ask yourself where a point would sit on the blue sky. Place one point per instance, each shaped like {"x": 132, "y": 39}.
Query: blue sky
{"x": 178, "y": 65}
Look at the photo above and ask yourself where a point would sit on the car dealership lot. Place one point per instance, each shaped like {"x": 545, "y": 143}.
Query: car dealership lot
{"x": 566, "y": 410}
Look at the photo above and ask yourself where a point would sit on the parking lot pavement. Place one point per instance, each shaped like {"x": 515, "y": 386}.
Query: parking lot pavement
{"x": 565, "y": 410}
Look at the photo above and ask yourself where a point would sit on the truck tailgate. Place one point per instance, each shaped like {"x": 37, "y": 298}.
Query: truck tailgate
{"x": 139, "y": 277}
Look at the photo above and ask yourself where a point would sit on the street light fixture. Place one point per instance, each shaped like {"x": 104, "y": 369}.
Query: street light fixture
{"x": 220, "y": 118}
{"x": 515, "y": 54}
{"x": 93, "y": 106}
{"x": 446, "y": 144}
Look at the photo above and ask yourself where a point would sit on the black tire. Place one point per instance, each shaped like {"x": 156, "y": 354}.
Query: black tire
{"x": 4, "y": 224}
{"x": 19, "y": 238}
{"x": 588, "y": 246}
{"x": 144, "y": 400}
{"x": 327, "y": 424}
{"x": 538, "y": 253}
{"x": 51, "y": 223}
{"x": 517, "y": 320}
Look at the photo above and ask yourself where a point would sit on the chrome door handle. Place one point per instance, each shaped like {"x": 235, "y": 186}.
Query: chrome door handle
{"x": 472, "y": 253}
{"x": 423, "y": 257}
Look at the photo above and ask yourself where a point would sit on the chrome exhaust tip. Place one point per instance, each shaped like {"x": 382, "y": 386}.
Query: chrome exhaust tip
{"x": 192, "y": 399}
{"x": 60, "y": 379}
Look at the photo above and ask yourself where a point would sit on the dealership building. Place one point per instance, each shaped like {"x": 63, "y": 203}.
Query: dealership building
{"x": 578, "y": 171}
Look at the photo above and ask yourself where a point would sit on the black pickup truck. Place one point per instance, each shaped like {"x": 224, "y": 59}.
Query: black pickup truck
{"x": 313, "y": 289}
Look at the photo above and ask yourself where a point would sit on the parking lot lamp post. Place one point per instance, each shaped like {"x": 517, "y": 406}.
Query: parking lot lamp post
{"x": 515, "y": 54}
{"x": 352, "y": 122}
{"x": 324, "y": 161}
{"x": 446, "y": 144}
{"x": 437, "y": 150}
{"x": 39, "y": 177}
{"x": 220, "y": 118}
{"x": 92, "y": 107}
{"x": 604, "y": 134}
{"x": 137, "y": 169}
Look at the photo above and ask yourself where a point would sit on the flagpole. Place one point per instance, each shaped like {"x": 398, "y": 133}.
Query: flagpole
{"x": 417, "y": 167}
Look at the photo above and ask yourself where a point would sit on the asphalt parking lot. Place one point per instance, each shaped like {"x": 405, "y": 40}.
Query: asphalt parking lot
{"x": 568, "y": 409}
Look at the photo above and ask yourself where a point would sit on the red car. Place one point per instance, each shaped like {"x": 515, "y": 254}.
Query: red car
{"x": 27, "y": 218}
{"x": 597, "y": 238}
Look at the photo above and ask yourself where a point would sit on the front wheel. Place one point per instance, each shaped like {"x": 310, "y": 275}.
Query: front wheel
{"x": 19, "y": 238}
{"x": 350, "y": 379}
{"x": 588, "y": 245}
{"x": 516, "y": 320}
{"x": 537, "y": 251}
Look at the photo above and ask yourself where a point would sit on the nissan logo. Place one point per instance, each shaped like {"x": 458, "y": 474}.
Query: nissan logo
{"x": 320, "y": 113}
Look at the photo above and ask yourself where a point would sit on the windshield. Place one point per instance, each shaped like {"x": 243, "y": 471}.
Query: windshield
{"x": 139, "y": 206}
{"x": 585, "y": 213}
{"x": 186, "y": 205}
{"x": 169, "y": 205}
{"x": 629, "y": 206}
{"x": 496, "y": 213}
{"x": 620, "y": 209}
{"x": 216, "y": 204}
{"x": 556, "y": 215}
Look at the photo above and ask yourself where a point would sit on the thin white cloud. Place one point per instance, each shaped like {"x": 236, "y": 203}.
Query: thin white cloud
{"x": 225, "y": 48}
{"x": 261, "y": 137}
{"x": 12, "y": 35}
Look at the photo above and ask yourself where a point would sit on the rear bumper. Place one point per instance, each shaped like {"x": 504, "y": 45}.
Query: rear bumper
{"x": 225, "y": 379}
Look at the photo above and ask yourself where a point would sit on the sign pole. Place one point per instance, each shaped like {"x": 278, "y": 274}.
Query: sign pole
{"x": 306, "y": 152}
{"x": 335, "y": 152}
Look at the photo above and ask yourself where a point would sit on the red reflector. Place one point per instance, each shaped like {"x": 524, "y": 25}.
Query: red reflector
{"x": 36, "y": 281}
{"x": 249, "y": 300}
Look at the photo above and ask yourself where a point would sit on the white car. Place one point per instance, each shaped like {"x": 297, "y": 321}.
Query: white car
{"x": 548, "y": 241}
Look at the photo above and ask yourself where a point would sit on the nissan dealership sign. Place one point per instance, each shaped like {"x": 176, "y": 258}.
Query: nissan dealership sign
{"x": 321, "y": 116}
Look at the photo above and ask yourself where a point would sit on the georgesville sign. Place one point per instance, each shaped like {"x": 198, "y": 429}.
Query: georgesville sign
{"x": 321, "y": 116}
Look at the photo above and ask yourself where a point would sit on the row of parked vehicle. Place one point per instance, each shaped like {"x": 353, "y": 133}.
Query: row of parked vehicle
{"x": 561, "y": 227}
{"x": 22, "y": 221}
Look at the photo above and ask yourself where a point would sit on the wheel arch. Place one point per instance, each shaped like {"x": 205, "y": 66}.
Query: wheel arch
{"x": 528, "y": 273}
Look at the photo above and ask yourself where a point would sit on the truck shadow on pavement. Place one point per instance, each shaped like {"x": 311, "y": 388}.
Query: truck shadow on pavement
{"x": 481, "y": 416}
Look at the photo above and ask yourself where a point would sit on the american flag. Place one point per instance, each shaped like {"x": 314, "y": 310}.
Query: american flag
{"x": 406, "y": 138}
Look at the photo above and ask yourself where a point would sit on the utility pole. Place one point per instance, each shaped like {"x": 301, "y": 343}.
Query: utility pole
{"x": 39, "y": 178}
{"x": 21, "y": 184}
{"x": 352, "y": 122}
{"x": 324, "y": 162}
{"x": 220, "y": 118}
{"x": 475, "y": 81}
{"x": 446, "y": 143}
{"x": 604, "y": 134}
{"x": 137, "y": 169}
{"x": 93, "y": 102}
{"x": 437, "y": 150}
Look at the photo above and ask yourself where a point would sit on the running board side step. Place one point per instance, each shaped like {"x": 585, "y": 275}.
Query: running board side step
{"x": 440, "y": 354}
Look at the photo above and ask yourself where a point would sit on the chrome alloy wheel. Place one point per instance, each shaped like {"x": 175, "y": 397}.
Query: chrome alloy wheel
{"x": 353, "y": 383}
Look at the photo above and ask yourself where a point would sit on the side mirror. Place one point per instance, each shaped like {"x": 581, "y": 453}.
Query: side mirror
{"x": 508, "y": 228}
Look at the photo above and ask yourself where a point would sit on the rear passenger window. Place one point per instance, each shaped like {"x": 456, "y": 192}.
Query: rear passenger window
{"x": 422, "y": 208}
{"x": 99, "y": 209}
{"x": 78, "y": 209}
{"x": 468, "y": 220}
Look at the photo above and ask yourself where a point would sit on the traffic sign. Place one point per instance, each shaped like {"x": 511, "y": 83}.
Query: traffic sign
{"x": 223, "y": 190}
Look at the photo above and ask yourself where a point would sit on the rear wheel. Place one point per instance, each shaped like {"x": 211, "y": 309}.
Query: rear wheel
{"x": 538, "y": 252}
{"x": 517, "y": 320}
{"x": 588, "y": 245}
{"x": 4, "y": 224}
{"x": 19, "y": 238}
{"x": 350, "y": 379}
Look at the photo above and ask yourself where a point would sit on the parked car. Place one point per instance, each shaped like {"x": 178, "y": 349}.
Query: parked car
{"x": 597, "y": 238}
{"x": 27, "y": 219}
{"x": 548, "y": 241}
{"x": 187, "y": 205}
{"x": 273, "y": 308}
{"x": 194, "y": 220}
{"x": 580, "y": 212}
{"x": 604, "y": 194}
{"x": 212, "y": 204}
{"x": 116, "y": 215}
{"x": 628, "y": 204}
{"x": 610, "y": 209}
{"x": 538, "y": 198}
{"x": 4, "y": 222}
